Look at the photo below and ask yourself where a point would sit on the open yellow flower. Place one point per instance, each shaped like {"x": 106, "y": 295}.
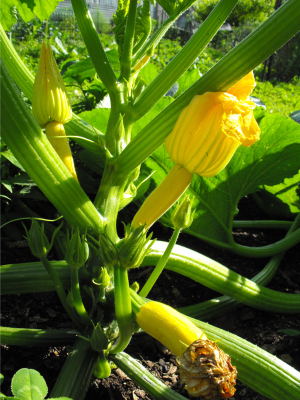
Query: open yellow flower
{"x": 203, "y": 141}
{"x": 51, "y": 107}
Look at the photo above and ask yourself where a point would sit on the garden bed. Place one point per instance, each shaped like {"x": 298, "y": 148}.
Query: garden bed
{"x": 43, "y": 310}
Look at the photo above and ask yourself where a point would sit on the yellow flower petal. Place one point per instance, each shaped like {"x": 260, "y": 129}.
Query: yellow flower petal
{"x": 49, "y": 99}
{"x": 242, "y": 89}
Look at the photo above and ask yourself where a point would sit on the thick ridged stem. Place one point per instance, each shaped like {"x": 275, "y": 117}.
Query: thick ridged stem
{"x": 182, "y": 61}
{"x": 75, "y": 376}
{"x": 221, "y": 305}
{"x": 217, "y": 277}
{"x": 260, "y": 44}
{"x": 37, "y": 337}
{"x": 126, "y": 58}
{"x": 144, "y": 379}
{"x": 94, "y": 46}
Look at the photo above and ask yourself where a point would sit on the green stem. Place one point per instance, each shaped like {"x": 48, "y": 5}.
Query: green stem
{"x": 24, "y": 79}
{"x": 182, "y": 61}
{"x": 217, "y": 277}
{"x": 137, "y": 47}
{"x": 94, "y": 46}
{"x": 144, "y": 379}
{"x": 75, "y": 376}
{"x": 77, "y": 300}
{"x": 160, "y": 265}
{"x": 262, "y": 224}
{"x": 108, "y": 198}
{"x": 60, "y": 291}
{"x": 260, "y": 44}
{"x": 37, "y": 337}
{"x": 222, "y": 305}
{"x": 36, "y": 280}
{"x": 123, "y": 308}
{"x": 128, "y": 41}
{"x": 39, "y": 159}
{"x": 155, "y": 39}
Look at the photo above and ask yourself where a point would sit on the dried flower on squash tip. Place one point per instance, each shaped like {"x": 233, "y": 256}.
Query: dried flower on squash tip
{"x": 204, "y": 139}
{"x": 203, "y": 367}
{"x": 206, "y": 371}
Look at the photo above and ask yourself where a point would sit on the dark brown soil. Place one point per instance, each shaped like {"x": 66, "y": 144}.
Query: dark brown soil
{"x": 259, "y": 327}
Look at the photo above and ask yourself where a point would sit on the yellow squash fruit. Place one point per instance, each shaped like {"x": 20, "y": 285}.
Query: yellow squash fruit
{"x": 61, "y": 145}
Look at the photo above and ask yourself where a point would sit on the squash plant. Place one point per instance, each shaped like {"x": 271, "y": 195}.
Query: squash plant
{"x": 234, "y": 158}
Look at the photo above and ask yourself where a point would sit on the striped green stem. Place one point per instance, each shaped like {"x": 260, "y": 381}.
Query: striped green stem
{"x": 126, "y": 57}
{"x": 262, "y": 224}
{"x": 221, "y": 305}
{"x": 217, "y": 277}
{"x": 144, "y": 379}
{"x": 182, "y": 61}
{"x": 37, "y": 337}
{"x": 94, "y": 46}
{"x": 75, "y": 376}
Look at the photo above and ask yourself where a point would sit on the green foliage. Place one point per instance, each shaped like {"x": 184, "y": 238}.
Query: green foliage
{"x": 245, "y": 10}
{"x": 280, "y": 98}
{"x": 27, "y": 10}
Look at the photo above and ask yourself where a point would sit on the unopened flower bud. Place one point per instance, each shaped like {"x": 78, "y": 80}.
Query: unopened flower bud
{"x": 183, "y": 215}
{"x": 37, "y": 239}
{"x": 98, "y": 339}
{"x": 49, "y": 98}
{"x": 77, "y": 250}
{"x": 136, "y": 245}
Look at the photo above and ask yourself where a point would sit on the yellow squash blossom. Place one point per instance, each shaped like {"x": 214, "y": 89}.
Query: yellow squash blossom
{"x": 51, "y": 107}
{"x": 204, "y": 368}
{"x": 203, "y": 141}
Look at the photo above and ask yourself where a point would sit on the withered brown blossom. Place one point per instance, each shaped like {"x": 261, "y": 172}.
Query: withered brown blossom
{"x": 207, "y": 371}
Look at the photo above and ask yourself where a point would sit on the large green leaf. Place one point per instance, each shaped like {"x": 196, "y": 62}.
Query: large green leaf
{"x": 282, "y": 200}
{"x": 268, "y": 162}
{"x": 27, "y": 10}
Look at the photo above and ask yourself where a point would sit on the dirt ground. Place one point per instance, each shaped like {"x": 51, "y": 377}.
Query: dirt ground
{"x": 259, "y": 327}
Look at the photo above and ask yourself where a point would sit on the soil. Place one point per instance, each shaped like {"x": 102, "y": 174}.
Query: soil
{"x": 262, "y": 328}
